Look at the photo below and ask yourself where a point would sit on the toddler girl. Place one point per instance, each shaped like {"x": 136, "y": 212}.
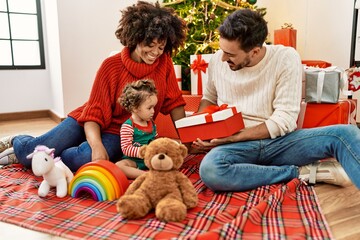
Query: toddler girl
{"x": 139, "y": 98}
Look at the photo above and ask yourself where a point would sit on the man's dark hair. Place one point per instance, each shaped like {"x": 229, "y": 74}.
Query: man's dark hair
{"x": 246, "y": 26}
{"x": 145, "y": 22}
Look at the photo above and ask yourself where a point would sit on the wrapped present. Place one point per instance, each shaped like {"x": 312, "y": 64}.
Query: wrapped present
{"x": 177, "y": 69}
{"x": 285, "y": 36}
{"x": 164, "y": 124}
{"x": 311, "y": 63}
{"x": 323, "y": 84}
{"x": 325, "y": 114}
{"x": 199, "y": 73}
{"x": 220, "y": 123}
{"x": 316, "y": 63}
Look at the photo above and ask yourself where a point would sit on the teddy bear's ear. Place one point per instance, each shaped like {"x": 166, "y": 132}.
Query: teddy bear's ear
{"x": 183, "y": 150}
{"x": 142, "y": 151}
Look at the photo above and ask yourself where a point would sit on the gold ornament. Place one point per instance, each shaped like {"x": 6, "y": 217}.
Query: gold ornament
{"x": 171, "y": 3}
{"x": 287, "y": 25}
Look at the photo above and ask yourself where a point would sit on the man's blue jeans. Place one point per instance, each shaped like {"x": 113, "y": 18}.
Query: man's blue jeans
{"x": 69, "y": 140}
{"x": 242, "y": 166}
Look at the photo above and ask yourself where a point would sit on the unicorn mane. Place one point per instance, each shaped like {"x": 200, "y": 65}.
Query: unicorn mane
{"x": 42, "y": 148}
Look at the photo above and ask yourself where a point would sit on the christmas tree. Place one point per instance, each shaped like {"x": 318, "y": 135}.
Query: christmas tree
{"x": 203, "y": 17}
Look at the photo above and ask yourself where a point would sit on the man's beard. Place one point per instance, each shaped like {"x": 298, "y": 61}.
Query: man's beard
{"x": 245, "y": 63}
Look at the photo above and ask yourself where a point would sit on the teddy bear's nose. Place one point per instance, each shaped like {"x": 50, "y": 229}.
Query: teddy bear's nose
{"x": 161, "y": 156}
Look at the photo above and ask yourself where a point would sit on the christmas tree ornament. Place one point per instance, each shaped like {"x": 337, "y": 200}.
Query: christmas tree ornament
{"x": 252, "y": 2}
{"x": 354, "y": 79}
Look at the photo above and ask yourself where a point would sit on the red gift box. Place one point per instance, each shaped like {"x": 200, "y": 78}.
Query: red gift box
{"x": 206, "y": 126}
{"x": 165, "y": 126}
{"x": 325, "y": 114}
{"x": 316, "y": 63}
{"x": 286, "y": 37}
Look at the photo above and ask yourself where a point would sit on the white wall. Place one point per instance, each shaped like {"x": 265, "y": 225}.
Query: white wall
{"x": 53, "y": 53}
{"x": 24, "y": 90}
{"x": 80, "y": 34}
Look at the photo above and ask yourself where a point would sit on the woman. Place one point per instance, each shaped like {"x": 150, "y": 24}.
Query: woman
{"x": 149, "y": 33}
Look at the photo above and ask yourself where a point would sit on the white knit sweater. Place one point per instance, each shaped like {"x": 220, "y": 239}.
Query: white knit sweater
{"x": 268, "y": 92}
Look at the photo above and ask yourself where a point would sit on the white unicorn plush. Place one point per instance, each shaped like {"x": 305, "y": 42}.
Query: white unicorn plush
{"x": 54, "y": 171}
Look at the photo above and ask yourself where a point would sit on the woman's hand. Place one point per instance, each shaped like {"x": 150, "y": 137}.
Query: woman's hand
{"x": 98, "y": 152}
{"x": 93, "y": 137}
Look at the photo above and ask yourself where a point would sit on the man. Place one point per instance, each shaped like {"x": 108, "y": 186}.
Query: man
{"x": 265, "y": 81}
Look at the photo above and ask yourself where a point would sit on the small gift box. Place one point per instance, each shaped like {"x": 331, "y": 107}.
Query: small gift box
{"x": 177, "y": 69}
{"x": 323, "y": 84}
{"x": 222, "y": 122}
{"x": 199, "y": 73}
{"x": 285, "y": 36}
{"x": 325, "y": 114}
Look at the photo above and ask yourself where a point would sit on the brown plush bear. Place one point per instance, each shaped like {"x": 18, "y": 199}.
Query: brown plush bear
{"x": 163, "y": 188}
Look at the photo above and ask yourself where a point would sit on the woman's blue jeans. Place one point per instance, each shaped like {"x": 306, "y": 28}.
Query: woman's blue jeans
{"x": 246, "y": 165}
{"x": 69, "y": 140}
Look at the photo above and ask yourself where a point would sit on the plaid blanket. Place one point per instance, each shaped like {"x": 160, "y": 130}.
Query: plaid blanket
{"x": 280, "y": 211}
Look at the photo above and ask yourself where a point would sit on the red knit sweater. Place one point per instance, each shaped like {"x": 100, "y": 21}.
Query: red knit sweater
{"x": 111, "y": 78}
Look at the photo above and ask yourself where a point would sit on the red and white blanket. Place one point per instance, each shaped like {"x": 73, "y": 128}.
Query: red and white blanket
{"x": 280, "y": 211}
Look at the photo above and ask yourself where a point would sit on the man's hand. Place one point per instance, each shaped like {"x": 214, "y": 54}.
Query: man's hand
{"x": 206, "y": 146}
{"x": 254, "y": 133}
{"x": 225, "y": 140}
{"x": 200, "y": 146}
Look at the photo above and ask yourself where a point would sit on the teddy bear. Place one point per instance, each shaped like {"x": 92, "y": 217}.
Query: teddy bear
{"x": 163, "y": 187}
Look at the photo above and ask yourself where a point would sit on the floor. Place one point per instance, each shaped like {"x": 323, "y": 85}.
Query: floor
{"x": 37, "y": 126}
{"x": 13, "y": 232}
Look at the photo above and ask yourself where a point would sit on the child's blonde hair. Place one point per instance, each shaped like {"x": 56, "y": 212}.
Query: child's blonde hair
{"x": 135, "y": 93}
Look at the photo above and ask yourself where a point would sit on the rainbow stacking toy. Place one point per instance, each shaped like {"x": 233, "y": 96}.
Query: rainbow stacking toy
{"x": 102, "y": 179}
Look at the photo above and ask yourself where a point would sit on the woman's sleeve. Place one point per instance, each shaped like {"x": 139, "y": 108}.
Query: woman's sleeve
{"x": 100, "y": 105}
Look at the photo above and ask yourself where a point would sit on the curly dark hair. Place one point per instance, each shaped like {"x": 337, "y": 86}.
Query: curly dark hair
{"x": 145, "y": 22}
{"x": 246, "y": 26}
{"x": 135, "y": 93}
